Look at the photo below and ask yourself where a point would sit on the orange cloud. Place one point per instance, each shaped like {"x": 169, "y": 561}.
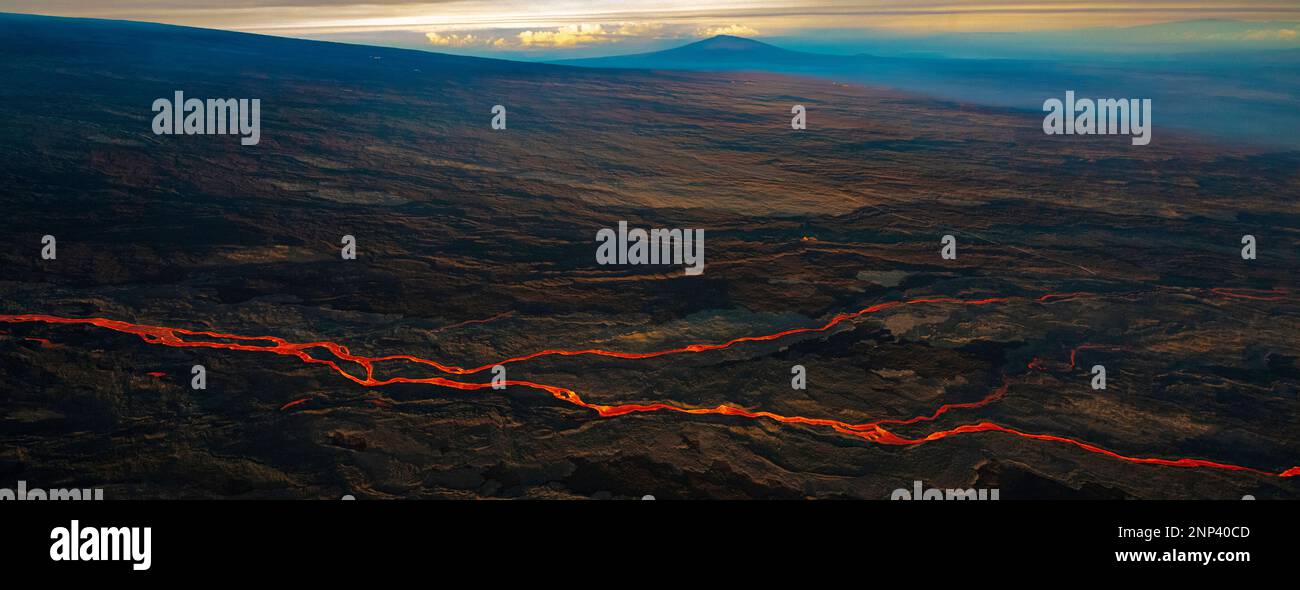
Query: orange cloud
{"x": 735, "y": 30}
{"x": 452, "y": 40}
{"x": 586, "y": 34}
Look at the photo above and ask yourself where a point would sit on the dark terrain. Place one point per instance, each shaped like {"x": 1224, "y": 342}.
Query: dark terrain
{"x": 458, "y": 223}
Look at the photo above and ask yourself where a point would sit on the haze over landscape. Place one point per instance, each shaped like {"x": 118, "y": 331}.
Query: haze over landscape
{"x": 1228, "y": 69}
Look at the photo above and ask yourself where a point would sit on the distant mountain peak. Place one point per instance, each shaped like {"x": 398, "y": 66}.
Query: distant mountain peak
{"x": 728, "y": 43}
{"x": 719, "y": 51}
{"x": 728, "y": 48}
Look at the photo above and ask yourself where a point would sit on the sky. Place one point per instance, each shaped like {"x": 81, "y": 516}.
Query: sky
{"x": 555, "y": 29}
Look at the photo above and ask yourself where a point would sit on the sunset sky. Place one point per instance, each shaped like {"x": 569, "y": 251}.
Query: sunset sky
{"x": 588, "y": 27}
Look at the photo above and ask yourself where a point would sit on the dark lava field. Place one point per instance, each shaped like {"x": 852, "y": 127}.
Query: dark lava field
{"x": 476, "y": 245}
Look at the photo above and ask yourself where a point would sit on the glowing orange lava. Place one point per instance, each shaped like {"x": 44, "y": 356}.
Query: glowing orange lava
{"x": 870, "y": 431}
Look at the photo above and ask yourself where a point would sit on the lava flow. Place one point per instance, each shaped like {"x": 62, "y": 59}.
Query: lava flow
{"x": 870, "y": 431}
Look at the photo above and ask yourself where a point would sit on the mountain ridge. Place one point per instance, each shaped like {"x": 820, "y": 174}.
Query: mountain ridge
{"x": 717, "y": 51}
